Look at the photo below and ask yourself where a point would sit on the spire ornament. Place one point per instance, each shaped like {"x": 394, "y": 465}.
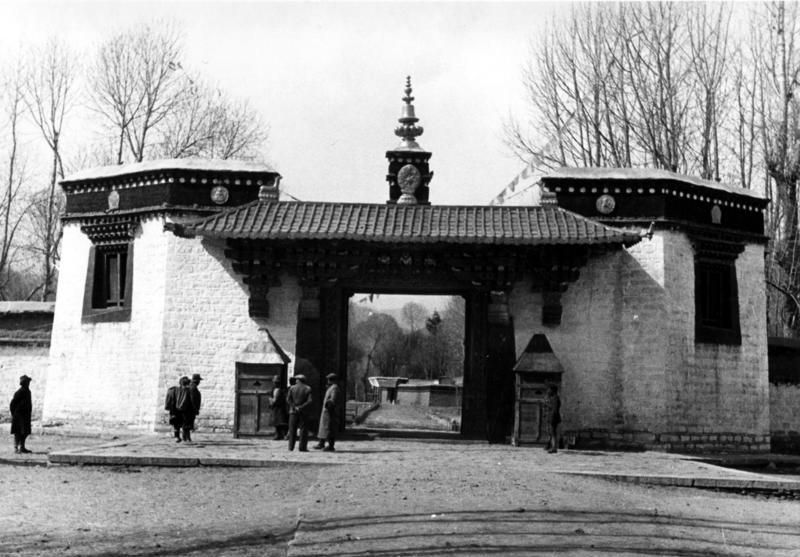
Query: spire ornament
{"x": 408, "y": 131}
{"x": 409, "y": 170}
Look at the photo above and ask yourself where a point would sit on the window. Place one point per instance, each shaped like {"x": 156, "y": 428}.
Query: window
{"x": 716, "y": 301}
{"x": 108, "y": 283}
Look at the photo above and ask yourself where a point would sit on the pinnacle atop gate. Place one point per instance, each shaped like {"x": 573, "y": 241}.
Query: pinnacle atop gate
{"x": 408, "y": 131}
{"x": 409, "y": 172}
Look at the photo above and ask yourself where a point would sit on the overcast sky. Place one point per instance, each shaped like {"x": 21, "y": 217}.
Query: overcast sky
{"x": 329, "y": 78}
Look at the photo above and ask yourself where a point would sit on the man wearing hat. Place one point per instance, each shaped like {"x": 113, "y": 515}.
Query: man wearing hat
{"x": 21, "y": 409}
{"x": 299, "y": 401}
{"x": 329, "y": 420}
{"x": 193, "y": 409}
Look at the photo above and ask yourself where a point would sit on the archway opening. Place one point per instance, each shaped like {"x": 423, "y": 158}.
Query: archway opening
{"x": 405, "y": 362}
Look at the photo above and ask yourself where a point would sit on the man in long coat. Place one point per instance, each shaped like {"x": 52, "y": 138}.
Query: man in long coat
{"x": 329, "y": 419}
{"x": 299, "y": 401}
{"x": 171, "y": 406}
{"x": 277, "y": 404}
{"x": 21, "y": 409}
{"x": 192, "y": 409}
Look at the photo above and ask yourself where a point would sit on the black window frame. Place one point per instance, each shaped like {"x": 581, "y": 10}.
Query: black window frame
{"x": 109, "y": 283}
{"x": 716, "y": 296}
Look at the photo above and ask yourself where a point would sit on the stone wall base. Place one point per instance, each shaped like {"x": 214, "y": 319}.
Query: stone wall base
{"x": 678, "y": 442}
{"x": 786, "y": 442}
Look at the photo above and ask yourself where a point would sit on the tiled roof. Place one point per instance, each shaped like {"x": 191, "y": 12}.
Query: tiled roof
{"x": 408, "y": 223}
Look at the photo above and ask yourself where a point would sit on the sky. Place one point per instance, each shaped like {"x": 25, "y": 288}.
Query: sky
{"x": 329, "y": 79}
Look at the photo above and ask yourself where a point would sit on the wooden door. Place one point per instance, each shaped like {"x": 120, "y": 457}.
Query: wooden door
{"x": 253, "y": 390}
{"x": 529, "y": 426}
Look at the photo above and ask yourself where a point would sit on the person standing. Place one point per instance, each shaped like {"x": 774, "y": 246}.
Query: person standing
{"x": 553, "y": 415}
{"x": 299, "y": 400}
{"x": 21, "y": 409}
{"x": 193, "y": 408}
{"x": 277, "y": 404}
{"x": 185, "y": 408}
{"x": 329, "y": 418}
{"x": 171, "y": 406}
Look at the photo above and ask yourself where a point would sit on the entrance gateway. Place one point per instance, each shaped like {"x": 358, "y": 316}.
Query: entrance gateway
{"x": 661, "y": 337}
{"x": 410, "y": 246}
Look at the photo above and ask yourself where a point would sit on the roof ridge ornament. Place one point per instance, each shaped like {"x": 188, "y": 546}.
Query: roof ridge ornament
{"x": 408, "y": 130}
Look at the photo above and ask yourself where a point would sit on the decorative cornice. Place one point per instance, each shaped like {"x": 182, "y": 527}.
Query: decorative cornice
{"x": 111, "y": 230}
{"x": 157, "y": 179}
{"x": 716, "y": 248}
{"x": 146, "y": 212}
{"x": 717, "y": 198}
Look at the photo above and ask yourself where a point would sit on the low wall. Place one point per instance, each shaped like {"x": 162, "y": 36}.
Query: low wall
{"x": 16, "y": 359}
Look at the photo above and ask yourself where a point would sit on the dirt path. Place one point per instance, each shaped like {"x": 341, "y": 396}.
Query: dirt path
{"x": 382, "y": 498}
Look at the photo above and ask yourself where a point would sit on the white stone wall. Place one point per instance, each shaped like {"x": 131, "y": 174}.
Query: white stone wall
{"x": 586, "y": 342}
{"x": 17, "y": 360}
{"x": 107, "y": 373}
{"x": 717, "y": 394}
{"x": 206, "y": 325}
{"x": 634, "y": 374}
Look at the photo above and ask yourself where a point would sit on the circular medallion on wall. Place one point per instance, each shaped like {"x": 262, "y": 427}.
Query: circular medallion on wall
{"x": 219, "y": 194}
{"x": 408, "y": 178}
{"x": 605, "y": 204}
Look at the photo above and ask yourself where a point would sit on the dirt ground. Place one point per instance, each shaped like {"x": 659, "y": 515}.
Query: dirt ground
{"x": 429, "y": 499}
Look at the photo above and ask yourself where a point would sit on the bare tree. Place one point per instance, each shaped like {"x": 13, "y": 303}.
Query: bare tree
{"x": 708, "y": 41}
{"x": 137, "y": 82}
{"x": 207, "y": 123}
{"x": 48, "y": 96}
{"x": 12, "y": 209}
{"x": 414, "y": 315}
{"x": 622, "y": 85}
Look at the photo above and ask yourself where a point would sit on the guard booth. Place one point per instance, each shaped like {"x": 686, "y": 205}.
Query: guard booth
{"x": 535, "y": 371}
{"x": 256, "y": 367}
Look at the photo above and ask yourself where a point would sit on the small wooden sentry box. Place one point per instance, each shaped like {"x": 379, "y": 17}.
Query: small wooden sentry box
{"x": 255, "y": 368}
{"x": 535, "y": 371}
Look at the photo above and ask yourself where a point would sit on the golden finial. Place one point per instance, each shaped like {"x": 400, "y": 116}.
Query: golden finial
{"x": 408, "y": 131}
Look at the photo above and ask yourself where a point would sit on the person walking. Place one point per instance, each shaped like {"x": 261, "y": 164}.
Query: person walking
{"x": 277, "y": 404}
{"x": 329, "y": 418}
{"x": 299, "y": 400}
{"x": 21, "y": 409}
{"x": 171, "y": 406}
{"x": 185, "y": 409}
{"x": 553, "y": 416}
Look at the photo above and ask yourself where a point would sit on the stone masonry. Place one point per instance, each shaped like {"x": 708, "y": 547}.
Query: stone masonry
{"x": 634, "y": 375}
{"x": 206, "y": 325}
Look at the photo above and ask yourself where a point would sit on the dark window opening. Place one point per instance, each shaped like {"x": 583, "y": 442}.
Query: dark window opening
{"x": 108, "y": 283}
{"x": 716, "y": 302}
{"x": 111, "y": 289}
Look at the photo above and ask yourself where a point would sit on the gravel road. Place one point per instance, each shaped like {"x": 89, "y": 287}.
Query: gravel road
{"x": 418, "y": 499}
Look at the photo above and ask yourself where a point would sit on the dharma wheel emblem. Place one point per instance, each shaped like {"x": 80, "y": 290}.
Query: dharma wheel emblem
{"x": 219, "y": 195}
{"x": 605, "y": 204}
{"x": 408, "y": 179}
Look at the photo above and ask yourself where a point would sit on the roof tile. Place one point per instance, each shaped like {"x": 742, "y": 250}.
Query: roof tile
{"x": 510, "y": 225}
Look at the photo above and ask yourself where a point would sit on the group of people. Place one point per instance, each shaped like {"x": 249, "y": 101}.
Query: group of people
{"x": 183, "y": 404}
{"x": 292, "y": 413}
